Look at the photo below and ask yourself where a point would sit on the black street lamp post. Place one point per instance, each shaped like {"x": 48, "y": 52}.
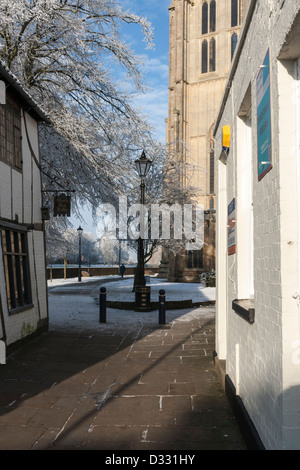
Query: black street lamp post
{"x": 79, "y": 230}
{"x": 143, "y": 165}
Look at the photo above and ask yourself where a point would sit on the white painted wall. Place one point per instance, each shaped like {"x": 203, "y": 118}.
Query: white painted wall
{"x": 259, "y": 357}
{"x": 21, "y": 200}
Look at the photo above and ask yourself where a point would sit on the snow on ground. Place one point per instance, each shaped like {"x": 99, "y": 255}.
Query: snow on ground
{"x": 74, "y": 280}
{"x": 81, "y": 311}
{"x": 122, "y": 291}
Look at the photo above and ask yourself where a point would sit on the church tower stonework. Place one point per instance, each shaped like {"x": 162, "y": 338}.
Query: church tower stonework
{"x": 203, "y": 35}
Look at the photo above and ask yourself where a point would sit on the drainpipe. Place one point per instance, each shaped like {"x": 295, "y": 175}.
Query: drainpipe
{"x": 297, "y": 77}
{"x": 296, "y": 344}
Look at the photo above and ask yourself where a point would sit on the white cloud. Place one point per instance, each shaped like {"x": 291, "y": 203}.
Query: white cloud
{"x": 156, "y": 68}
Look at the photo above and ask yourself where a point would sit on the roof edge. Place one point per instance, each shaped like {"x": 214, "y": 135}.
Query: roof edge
{"x": 33, "y": 107}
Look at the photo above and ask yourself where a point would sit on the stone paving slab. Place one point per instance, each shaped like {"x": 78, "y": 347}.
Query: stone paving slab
{"x": 118, "y": 387}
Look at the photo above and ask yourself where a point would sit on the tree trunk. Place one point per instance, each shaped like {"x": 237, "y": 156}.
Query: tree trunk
{"x": 65, "y": 267}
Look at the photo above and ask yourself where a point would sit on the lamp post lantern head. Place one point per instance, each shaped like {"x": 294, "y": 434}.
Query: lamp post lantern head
{"x": 143, "y": 165}
{"x": 79, "y": 230}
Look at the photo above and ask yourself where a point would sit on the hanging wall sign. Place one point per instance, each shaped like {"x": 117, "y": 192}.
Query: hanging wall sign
{"x": 226, "y": 139}
{"x": 62, "y": 205}
{"x": 231, "y": 228}
{"x": 264, "y": 123}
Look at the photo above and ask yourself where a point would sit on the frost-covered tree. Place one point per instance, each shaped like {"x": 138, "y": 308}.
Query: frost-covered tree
{"x": 62, "y": 245}
{"x": 71, "y": 57}
{"x": 167, "y": 184}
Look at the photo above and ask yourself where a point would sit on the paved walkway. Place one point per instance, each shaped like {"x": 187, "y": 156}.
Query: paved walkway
{"x": 129, "y": 384}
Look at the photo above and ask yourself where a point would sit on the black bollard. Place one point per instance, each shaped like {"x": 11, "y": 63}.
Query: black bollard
{"x": 162, "y": 307}
{"x": 102, "y": 317}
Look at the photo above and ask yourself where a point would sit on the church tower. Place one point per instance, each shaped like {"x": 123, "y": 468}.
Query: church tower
{"x": 203, "y": 35}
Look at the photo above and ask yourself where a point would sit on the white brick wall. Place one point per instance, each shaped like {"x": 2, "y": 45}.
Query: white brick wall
{"x": 259, "y": 356}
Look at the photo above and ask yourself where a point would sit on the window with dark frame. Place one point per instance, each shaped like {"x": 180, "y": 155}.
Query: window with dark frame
{"x": 205, "y": 18}
{"x": 212, "y": 16}
{"x": 208, "y": 17}
{"x": 10, "y": 134}
{"x": 208, "y": 60}
{"x": 236, "y": 12}
{"x": 16, "y": 268}
{"x": 208, "y": 46}
{"x": 204, "y": 67}
{"x": 195, "y": 259}
{"x": 212, "y": 55}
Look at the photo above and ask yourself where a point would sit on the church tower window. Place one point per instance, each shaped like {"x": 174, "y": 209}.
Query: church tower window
{"x": 236, "y": 12}
{"x": 212, "y": 55}
{"x": 208, "y": 56}
{"x": 212, "y": 16}
{"x": 204, "y": 56}
{"x": 205, "y": 18}
{"x": 208, "y": 17}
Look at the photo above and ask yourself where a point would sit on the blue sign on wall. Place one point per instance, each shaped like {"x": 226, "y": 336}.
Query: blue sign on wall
{"x": 231, "y": 228}
{"x": 264, "y": 123}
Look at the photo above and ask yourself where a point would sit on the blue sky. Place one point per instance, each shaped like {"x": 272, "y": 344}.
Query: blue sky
{"x": 154, "y": 102}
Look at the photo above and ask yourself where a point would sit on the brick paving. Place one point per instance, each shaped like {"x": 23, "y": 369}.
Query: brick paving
{"x": 119, "y": 387}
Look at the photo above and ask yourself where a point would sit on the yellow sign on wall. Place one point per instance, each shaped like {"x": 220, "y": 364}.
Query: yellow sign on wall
{"x": 226, "y": 139}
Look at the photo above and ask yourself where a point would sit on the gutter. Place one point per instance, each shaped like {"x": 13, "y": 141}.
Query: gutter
{"x": 236, "y": 57}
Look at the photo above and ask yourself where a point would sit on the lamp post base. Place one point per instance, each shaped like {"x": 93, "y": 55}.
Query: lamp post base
{"x": 142, "y": 298}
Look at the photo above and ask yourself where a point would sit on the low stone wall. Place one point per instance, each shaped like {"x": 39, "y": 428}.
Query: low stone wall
{"x": 58, "y": 273}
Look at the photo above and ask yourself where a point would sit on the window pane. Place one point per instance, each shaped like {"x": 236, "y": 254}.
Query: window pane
{"x": 212, "y": 55}
{"x": 212, "y": 16}
{"x": 205, "y": 18}
{"x": 10, "y": 134}
{"x": 234, "y": 12}
{"x": 19, "y": 293}
{"x": 190, "y": 259}
{"x": 17, "y": 148}
{"x": 25, "y": 270}
{"x": 200, "y": 258}
{"x": 204, "y": 57}
{"x": 195, "y": 259}
{"x": 15, "y": 259}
